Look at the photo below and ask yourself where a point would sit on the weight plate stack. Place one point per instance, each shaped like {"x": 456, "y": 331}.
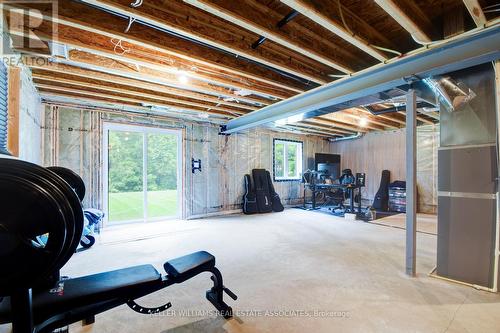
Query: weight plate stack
{"x": 72, "y": 178}
{"x": 41, "y": 221}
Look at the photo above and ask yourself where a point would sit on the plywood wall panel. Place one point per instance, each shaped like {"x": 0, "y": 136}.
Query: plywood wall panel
{"x": 379, "y": 151}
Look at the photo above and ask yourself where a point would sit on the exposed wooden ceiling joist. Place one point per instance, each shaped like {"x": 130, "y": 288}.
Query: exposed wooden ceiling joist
{"x": 314, "y": 130}
{"x": 407, "y": 22}
{"x": 109, "y": 66}
{"x": 307, "y": 131}
{"x": 215, "y": 33}
{"x": 328, "y": 126}
{"x": 54, "y": 98}
{"x": 271, "y": 32}
{"x": 476, "y": 12}
{"x": 309, "y": 11}
{"x": 129, "y": 99}
{"x": 93, "y": 77}
{"x": 354, "y": 115}
{"x": 179, "y": 52}
{"x": 39, "y": 80}
{"x": 420, "y": 118}
{"x": 151, "y": 58}
{"x": 339, "y": 122}
{"x": 392, "y": 118}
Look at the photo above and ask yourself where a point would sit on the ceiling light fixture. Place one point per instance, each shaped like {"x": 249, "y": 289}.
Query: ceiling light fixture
{"x": 363, "y": 121}
{"x": 182, "y": 77}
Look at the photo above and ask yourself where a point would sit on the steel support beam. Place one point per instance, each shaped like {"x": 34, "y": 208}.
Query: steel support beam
{"x": 461, "y": 52}
{"x": 411, "y": 182}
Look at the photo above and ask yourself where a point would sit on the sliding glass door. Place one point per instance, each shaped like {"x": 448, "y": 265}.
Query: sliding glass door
{"x": 142, "y": 173}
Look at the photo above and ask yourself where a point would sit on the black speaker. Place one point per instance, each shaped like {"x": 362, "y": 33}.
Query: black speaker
{"x": 360, "y": 179}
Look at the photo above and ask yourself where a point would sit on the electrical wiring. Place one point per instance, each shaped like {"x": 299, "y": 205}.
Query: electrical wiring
{"x": 136, "y": 4}
{"x": 341, "y": 12}
{"x": 131, "y": 20}
{"x": 119, "y": 46}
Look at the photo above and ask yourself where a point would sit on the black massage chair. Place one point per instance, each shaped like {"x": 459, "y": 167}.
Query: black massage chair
{"x": 35, "y": 201}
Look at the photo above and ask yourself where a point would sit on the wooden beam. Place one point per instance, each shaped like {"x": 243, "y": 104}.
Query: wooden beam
{"x": 326, "y": 22}
{"x": 391, "y": 118}
{"x": 58, "y": 71}
{"x": 354, "y": 115}
{"x": 109, "y": 66}
{"x": 147, "y": 57}
{"x": 179, "y": 51}
{"x": 73, "y": 99}
{"x": 315, "y": 123}
{"x": 152, "y": 70}
{"x": 379, "y": 119}
{"x": 102, "y": 96}
{"x": 14, "y": 105}
{"x": 311, "y": 129}
{"x": 315, "y": 38}
{"x": 404, "y": 20}
{"x": 476, "y": 12}
{"x": 308, "y": 131}
{"x": 338, "y": 124}
{"x": 173, "y": 18}
{"x": 419, "y": 118}
{"x": 113, "y": 90}
{"x": 270, "y": 32}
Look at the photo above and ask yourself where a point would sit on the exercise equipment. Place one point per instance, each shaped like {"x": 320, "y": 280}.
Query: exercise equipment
{"x": 35, "y": 202}
{"x": 72, "y": 178}
{"x": 91, "y": 217}
{"x": 262, "y": 191}
{"x": 380, "y": 203}
{"x": 249, "y": 198}
{"x": 276, "y": 204}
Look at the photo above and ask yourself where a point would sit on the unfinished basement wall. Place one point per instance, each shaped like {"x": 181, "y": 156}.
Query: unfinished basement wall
{"x": 30, "y": 120}
{"x": 30, "y": 106}
{"x": 73, "y": 138}
{"x": 379, "y": 151}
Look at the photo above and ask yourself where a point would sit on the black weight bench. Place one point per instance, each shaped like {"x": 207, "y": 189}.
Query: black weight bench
{"x": 82, "y": 298}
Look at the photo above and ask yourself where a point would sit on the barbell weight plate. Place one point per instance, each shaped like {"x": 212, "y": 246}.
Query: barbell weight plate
{"x": 24, "y": 259}
{"x": 69, "y": 201}
{"x": 72, "y": 178}
{"x": 58, "y": 189}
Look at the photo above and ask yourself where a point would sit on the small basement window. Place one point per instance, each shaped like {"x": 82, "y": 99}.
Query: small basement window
{"x": 287, "y": 159}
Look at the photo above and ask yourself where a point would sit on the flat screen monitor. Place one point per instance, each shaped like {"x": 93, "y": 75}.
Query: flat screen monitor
{"x": 326, "y": 158}
{"x": 331, "y": 170}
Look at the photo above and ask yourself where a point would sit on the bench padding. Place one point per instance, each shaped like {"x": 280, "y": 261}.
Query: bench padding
{"x": 184, "y": 268}
{"x": 127, "y": 283}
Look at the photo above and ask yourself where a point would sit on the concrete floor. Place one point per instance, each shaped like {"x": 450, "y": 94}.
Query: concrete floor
{"x": 295, "y": 260}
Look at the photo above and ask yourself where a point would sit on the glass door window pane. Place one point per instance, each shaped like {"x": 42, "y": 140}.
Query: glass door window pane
{"x": 292, "y": 160}
{"x": 279, "y": 160}
{"x": 125, "y": 176}
{"x": 162, "y": 168}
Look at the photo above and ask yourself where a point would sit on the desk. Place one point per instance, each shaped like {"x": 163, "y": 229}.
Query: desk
{"x": 315, "y": 188}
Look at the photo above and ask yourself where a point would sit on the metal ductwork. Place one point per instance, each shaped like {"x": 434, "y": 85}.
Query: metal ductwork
{"x": 464, "y": 51}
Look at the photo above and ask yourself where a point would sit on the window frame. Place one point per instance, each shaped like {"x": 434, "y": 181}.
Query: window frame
{"x": 299, "y": 160}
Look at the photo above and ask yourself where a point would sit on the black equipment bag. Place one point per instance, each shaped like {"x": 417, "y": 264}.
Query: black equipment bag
{"x": 381, "y": 201}
{"x": 275, "y": 198}
{"x": 249, "y": 198}
{"x": 262, "y": 190}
